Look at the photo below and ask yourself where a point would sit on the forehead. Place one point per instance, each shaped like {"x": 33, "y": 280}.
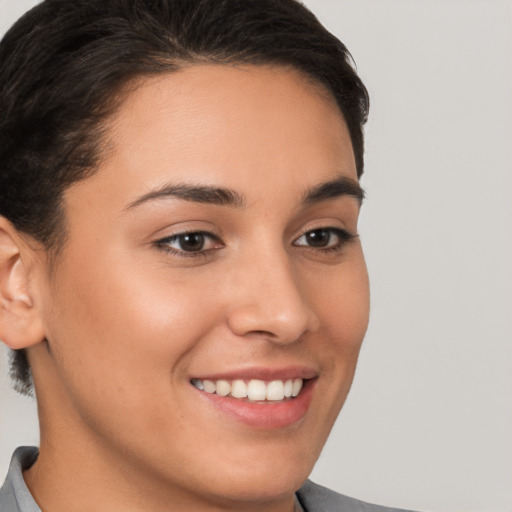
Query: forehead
{"x": 226, "y": 125}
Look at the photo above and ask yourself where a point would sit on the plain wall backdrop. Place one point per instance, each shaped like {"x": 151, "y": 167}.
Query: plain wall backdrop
{"x": 428, "y": 424}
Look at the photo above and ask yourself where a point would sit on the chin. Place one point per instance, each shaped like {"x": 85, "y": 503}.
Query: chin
{"x": 260, "y": 487}
{"x": 263, "y": 478}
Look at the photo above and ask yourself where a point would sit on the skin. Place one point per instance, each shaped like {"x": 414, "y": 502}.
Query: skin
{"x": 129, "y": 324}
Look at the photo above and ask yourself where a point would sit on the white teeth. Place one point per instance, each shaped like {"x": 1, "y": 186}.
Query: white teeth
{"x": 255, "y": 389}
{"x": 288, "y": 387}
{"x": 275, "y": 390}
{"x": 297, "y": 386}
{"x": 223, "y": 388}
{"x": 209, "y": 386}
{"x": 239, "y": 389}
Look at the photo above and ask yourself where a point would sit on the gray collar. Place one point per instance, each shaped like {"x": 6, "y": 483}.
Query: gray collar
{"x": 14, "y": 495}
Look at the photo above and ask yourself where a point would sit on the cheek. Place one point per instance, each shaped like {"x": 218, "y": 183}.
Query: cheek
{"x": 342, "y": 305}
{"x": 121, "y": 331}
{"x": 342, "y": 302}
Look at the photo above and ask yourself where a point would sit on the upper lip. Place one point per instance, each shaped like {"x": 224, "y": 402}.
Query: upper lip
{"x": 262, "y": 373}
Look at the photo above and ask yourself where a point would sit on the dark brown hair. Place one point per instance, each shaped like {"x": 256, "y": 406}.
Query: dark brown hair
{"x": 64, "y": 64}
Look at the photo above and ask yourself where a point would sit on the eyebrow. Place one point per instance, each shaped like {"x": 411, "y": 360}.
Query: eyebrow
{"x": 341, "y": 186}
{"x": 195, "y": 193}
{"x": 220, "y": 196}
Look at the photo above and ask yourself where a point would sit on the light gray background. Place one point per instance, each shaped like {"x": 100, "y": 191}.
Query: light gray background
{"x": 428, "y": 424}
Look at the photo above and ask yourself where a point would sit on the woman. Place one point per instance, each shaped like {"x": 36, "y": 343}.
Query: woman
{"x": 181, "y": 275}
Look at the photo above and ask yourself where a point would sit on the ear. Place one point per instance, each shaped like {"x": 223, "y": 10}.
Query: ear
{"x": 20, "y": 322}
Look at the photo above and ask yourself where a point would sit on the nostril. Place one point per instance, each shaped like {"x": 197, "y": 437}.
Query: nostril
{"x": 263, "y": 334}
{"x": 275, "y": 310}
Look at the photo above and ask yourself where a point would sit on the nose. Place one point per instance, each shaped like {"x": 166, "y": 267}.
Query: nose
{"x": 270, "y": 302}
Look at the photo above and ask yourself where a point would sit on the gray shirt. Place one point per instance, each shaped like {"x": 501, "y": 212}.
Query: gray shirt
{"x": 15, "y": 496}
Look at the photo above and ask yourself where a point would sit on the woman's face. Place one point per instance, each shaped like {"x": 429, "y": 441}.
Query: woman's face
{"x": 217, "y": 242}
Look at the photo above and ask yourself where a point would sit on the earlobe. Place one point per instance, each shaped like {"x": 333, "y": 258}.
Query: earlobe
{"x": 20, "y": 323}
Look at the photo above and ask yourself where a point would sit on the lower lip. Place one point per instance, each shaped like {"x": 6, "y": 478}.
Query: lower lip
{"x": 264, "y": 415}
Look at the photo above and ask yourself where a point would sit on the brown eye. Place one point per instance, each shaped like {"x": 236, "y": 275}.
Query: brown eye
{"x": 318, "y": 237}
{"x": 324, "y": 238}
{"x": 191, "y": 242}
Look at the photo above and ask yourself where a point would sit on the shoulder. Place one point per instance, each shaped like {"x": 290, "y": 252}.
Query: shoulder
{"x": 315, "y": 498}
{"x": 14, "y": 494}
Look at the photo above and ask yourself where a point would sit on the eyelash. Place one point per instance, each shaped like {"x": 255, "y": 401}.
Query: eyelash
{"x": 164, "y": 244}
{"x": 344, "y": 238}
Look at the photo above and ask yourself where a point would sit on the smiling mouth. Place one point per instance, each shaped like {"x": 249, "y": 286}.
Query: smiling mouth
{"x": 254, "y": 390}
